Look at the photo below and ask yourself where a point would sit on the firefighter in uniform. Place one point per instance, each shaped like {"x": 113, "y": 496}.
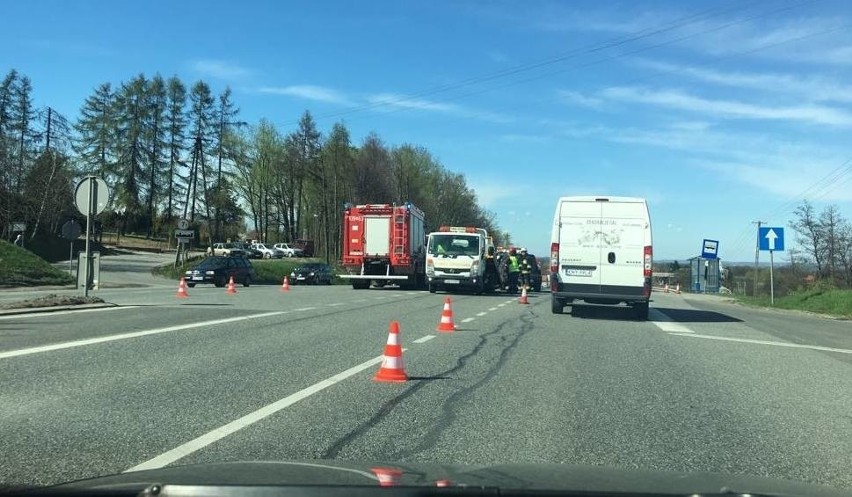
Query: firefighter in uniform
{"x": 525, "y": 268}
{"x": 513, "y": 268}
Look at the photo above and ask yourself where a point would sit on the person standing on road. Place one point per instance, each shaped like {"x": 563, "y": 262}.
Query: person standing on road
{"x": 525, "y": 268}
{"x": 19, "y": 240}
{"x": 513, "y": 269}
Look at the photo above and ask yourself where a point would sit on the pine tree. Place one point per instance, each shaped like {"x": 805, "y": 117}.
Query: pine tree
{"x": 226, "y": 114}
{"x": 156, "y": 131}
{"x": 201, "y": 119}
{"x": 176, "y": 134}
{"x": 96, "y": 134}
{"x": 131, "y": 151}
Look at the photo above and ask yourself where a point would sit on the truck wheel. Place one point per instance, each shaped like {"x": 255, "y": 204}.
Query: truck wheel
{"x": 247, "y": 282}
{"x": 360, "y": 284}
{"x": 556, "y": 306}
{"x": 432, "y": 288}
{"x": 641, "y": 309}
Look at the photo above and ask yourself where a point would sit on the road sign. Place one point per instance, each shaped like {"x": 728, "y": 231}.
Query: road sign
{"x": 771, "y": 238}
{"x": 188, "y": 234}
{"x": 183, "y": 224}
{"x": 71, "y": 230}
{"x": 100, "y": 195}
{"x": 710, "y": 249}
{"x": 19, "y": 226}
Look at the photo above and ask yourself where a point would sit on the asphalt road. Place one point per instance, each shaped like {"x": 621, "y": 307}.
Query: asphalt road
{"x": 267, "y": 375}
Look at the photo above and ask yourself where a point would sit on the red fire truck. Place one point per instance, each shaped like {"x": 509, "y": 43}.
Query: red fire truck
{"x": 384, "y": 244}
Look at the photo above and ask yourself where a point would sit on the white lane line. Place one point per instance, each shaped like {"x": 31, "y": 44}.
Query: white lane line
{"x": 467, "y": 320}
{"x": 480, "y": 314}
{"x": 665, "y": 323}
{"x": 492, "y": 309}
{"x": 249, "y": 419}
{"x": 335, "y": 304}
{"x": 502, "y": 305}
{"x": 424, "y": 339}
{"x": 510, "y": 301}
{"x": 764, "y": 342}
{"x": 358, "y": 301}
{"x": 300, "y": 309}
{"x": 62, "y": 313}
{"x": 133, "y": 334}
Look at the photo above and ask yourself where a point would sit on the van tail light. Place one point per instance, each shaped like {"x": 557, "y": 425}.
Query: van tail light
{"x": 554, "y": 257}
{"x": 649, "y": 260}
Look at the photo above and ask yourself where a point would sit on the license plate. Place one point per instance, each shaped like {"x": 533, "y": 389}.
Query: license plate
{"x": 452, "y": 282}
{"x": 198, "y": 278}
{"x": 585, "y": 273}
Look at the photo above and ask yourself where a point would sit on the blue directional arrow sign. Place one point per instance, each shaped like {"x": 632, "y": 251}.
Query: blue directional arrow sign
{"x": 771, "y": 238}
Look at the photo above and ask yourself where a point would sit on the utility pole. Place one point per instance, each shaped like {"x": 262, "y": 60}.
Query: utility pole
{"x": 756, "y": 254}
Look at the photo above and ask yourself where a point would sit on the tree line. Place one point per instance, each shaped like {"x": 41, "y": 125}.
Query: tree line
{"x": 169, "y": 151}
{"x": 826, "y": 242}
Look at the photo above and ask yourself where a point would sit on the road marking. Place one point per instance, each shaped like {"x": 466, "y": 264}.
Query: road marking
{"x": 667, "y": 324}
{"x": 764, "y": 342}
{"x": 380, "y": 297}
{"x": 335, "y": 304}
{"x": 510, "y": 301}
{"x": 249, "y": 419}
{"x": 492, "y": 309}
{"x": 501, "y": 305}
{"x": 424, "y": 339}
{"x": 467, "y": 320}
{"x": 480, "y": 314}
{"x": 133, "y": 334}
{"x": 358, "y": 301}
{"x": 300, "y": 309}
{"x": 62, "y": 313}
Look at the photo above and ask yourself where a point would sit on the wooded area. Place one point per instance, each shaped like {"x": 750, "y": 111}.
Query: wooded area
{"x": 168, "y": 150}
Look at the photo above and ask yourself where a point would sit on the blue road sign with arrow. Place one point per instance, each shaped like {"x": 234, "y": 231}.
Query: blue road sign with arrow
{"x": 771, "y": 238}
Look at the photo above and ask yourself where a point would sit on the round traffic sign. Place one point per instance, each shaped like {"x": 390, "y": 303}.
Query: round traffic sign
{"x": 71, "y": 230}
{"x": 183, "y": 224}
{"x": 99, "y": 194}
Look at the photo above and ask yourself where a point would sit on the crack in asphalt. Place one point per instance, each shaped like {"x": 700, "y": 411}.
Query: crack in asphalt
{"x": 448, "y": 415}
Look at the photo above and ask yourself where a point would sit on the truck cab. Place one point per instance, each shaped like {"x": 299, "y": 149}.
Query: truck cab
{"x": 460, "y": 258}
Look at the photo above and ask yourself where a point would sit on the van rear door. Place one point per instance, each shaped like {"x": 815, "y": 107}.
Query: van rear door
{"x": 580, "y": 246}
{"x": 625, "y": 231}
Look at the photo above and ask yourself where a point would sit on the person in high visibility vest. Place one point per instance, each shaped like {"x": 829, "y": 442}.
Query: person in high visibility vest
{"x": 513, "y": 268}
{"x": 525, "y": 268}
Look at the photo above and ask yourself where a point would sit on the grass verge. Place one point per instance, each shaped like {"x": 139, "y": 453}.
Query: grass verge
{"x": 831, "y": 301}
{"x": 23, "y": 268}
{"x": 269, "y": 272}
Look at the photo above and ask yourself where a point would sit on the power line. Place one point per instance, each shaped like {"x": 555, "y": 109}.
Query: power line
{"x": 585, "y": 50}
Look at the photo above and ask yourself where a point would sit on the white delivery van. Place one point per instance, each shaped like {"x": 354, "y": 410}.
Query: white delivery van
{"x": 601, "y": 252}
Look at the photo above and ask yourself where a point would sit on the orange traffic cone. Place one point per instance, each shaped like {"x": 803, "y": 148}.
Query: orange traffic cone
{"x": 285, "y": 287}
{"x": 523, "y": 298}
{"x": 182, "y": 289}
{"x": 392, "y": 370}
{"x": 388, "y": 477}
{"x": 232, "y": 288}
{"x": 447, "y": 324}
{"x": 443, "y": 483}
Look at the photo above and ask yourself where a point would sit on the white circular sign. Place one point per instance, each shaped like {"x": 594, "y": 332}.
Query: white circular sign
{"x": 99, "y": 195}
{"x": 183, "y": 224}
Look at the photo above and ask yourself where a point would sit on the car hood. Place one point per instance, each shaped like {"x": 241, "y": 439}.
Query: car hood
{"x": 503, "y": 476}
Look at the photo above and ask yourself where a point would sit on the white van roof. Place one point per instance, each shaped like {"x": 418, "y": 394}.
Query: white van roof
{"x": 595, "y": 198}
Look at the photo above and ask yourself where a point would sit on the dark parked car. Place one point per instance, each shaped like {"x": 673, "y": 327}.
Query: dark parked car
{"x": 312, "y": 274}
{"x": 219, "y": 269}
{"x": 251, "y": 253}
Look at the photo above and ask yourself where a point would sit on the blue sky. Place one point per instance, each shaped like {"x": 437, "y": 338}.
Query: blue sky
{"x": 720, "y": 113}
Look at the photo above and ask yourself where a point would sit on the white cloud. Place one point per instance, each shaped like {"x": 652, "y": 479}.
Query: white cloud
{"x": 673, "y": 99}
{"x": 785, "y": 167}
{"x": 577, "y": 98}
{"x": 813, "y": 88}
{"x": 308, "y": 92}
{"x": 220, "y": 69}
{"x": 394, "y": 100}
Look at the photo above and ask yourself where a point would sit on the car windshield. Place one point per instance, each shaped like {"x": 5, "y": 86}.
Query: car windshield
{"x": 682, "y": 171}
